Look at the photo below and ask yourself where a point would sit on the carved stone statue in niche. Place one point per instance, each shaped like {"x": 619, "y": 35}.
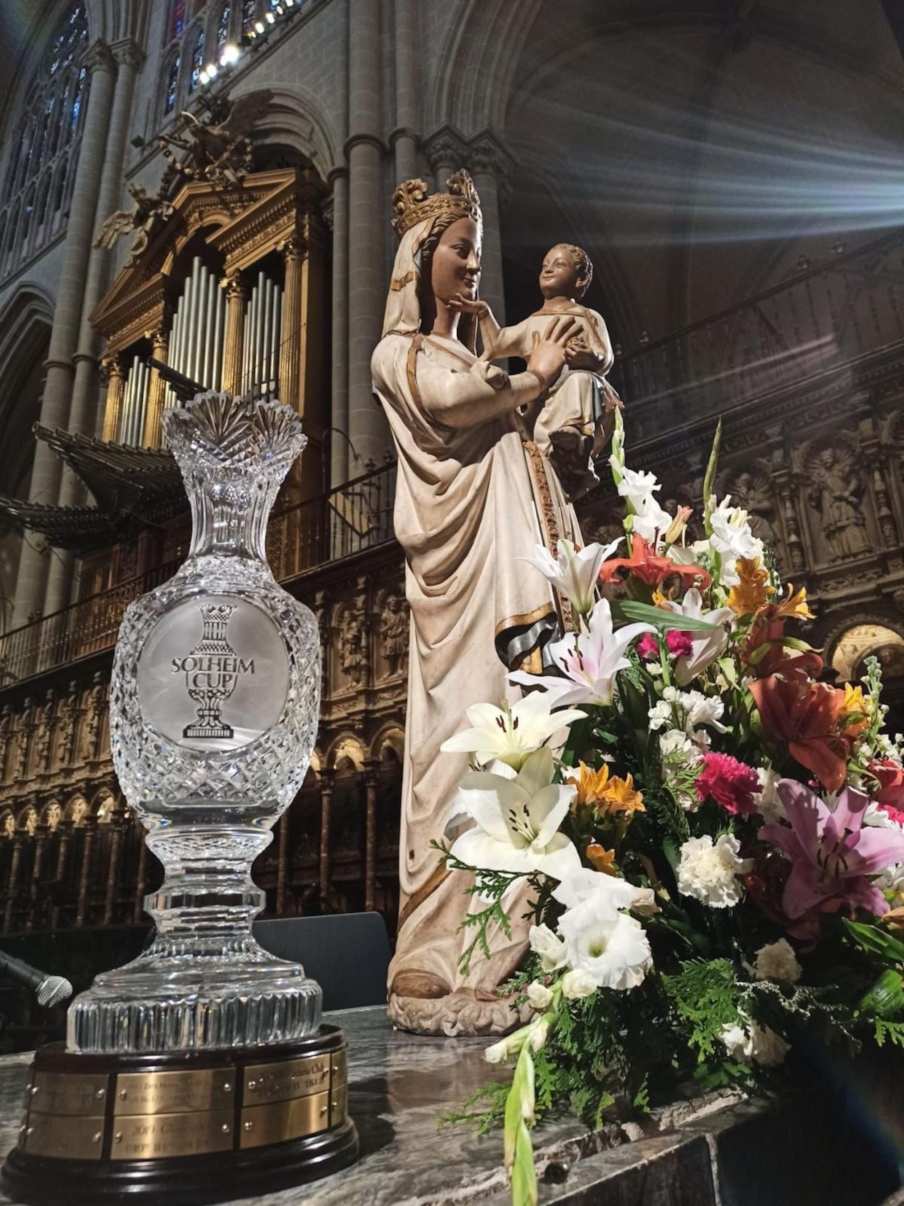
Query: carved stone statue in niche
{"x": 97, "y": 702}
{"x": 44, "y": 732}
{"x": 394, "y": 633}
{"x": 352, "y": 646}
{"x": 6, "y": 729}
{"x": 835, "y": 494}
{"x": 752, "y": 493}
{"x": 23, "y": 741}
{"x": 69, "y": 713}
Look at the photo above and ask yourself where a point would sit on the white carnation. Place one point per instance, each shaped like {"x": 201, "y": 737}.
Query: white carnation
{"x": 676, "y": 744}
{"x": 777, "y": 961}
{"x": 709, "y": 872}
{"x": 754, "y": 1043}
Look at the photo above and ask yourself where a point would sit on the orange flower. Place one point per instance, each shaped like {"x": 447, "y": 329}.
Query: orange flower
{"x": 794, "y": 606}
{"x": 601, "y": 859}
{"x": 604, "y": 795}
{"x": 647, "y": 565}
{"x": 754, "y": 588}
{"x": 764, "y": 650}
{"x": 808, "y": 717}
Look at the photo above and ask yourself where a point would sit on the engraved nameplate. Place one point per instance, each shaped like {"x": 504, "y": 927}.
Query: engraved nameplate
{"x": 68, "y": 1093}
{"x": 156, "y": 1136}
{"x": 173, "y": 1092}
{"x": 67, "y": 1138}
{"x": 287, "y": 1079}
{"x": 283, "y": 1120}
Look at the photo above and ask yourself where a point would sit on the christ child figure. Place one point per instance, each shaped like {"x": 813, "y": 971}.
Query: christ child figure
{"x": 575, "y": 419}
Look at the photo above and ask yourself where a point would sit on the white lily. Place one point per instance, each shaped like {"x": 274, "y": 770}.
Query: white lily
{"x": 705, "y": 646}
{"x": 613, "y": 951}
{"x": 589, "y": 661}
{"x": 575, "y": 571}
{"x": 517, "y": 820}
{"x": 514, "y": 732}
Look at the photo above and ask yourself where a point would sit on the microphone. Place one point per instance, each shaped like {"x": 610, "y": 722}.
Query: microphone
{"x": 50, "y": 990}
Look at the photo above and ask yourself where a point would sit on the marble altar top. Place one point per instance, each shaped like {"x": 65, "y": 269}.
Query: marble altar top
{"x": 402, "y": 1084}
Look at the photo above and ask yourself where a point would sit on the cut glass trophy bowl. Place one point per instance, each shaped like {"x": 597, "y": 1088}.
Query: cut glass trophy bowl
{"x": 214, "y": 704}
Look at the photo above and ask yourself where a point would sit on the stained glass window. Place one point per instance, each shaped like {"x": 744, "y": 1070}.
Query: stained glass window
{"x": 197, "y": 59}
{"x": 223, "y": 26}
{"x": 249, "y": 12}
{"x": 176, "y": 23}
{"x": 172, "y": 82}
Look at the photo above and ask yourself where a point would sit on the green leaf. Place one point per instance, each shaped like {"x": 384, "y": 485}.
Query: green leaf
{"x": 524, "y": 1175}
{"x": 709, "y": 478}
{"x": 665, "y": 621}
{"x": 877, "y": 941}
{"x": 886, "y": 997}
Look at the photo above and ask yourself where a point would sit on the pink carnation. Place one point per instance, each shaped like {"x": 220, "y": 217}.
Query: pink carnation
{"x": 896, "y": 814}
{"x": 731, "y": 783}
{"x": 648, "y": 646}
{"x": 678, "y": 643}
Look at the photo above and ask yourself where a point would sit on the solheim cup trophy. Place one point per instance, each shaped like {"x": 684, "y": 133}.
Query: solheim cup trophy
{"x": 201, "y": 1070}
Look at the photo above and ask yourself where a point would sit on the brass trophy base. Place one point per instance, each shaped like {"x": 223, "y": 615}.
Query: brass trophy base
{"x": 186, "y": 1128}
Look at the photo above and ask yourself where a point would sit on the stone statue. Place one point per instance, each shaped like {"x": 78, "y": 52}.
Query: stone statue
{"x": 394, "y": 633}
{"x": 149, "y": 211}
{"x": 43, "y": 742}
{"x": 835, "y": 494}
{"x": 23, "y": 741}
{"x": 574, "y": 422}
{"x": 6, "y": 728}
{"x": 473, "y": 499}
{"x": 754, "y": 497}
{"x": 352, "y": 646}
{"x": 69, "y": 713}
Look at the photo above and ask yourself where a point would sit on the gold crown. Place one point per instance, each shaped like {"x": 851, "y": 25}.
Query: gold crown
{"x": 412, "y": 204}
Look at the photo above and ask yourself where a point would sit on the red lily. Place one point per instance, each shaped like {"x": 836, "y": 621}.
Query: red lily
{"x": 647, "y": 565}
{"x": 807, "y": 716}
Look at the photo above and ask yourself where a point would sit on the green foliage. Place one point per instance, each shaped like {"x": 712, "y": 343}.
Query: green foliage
{"x": 892, "y": 1032}
{"x": 705, "y": 995}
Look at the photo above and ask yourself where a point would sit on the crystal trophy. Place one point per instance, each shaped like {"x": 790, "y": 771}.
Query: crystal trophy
{"x": 214, "y": 706}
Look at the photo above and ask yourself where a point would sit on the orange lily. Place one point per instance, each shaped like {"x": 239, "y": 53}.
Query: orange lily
{"x": 651, "y": 568}
{"x": 807, "y": 716}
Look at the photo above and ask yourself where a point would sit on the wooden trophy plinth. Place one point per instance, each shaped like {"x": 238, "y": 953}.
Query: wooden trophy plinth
{"x": 183, "y": 1128}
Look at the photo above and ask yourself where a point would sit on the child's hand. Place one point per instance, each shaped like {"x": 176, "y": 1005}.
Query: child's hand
{"x": 468, "y": 305}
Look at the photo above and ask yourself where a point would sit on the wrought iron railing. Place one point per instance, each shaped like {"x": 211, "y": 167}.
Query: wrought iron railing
{"x": 821, "y": 318}
{"x": 349, "y": 519}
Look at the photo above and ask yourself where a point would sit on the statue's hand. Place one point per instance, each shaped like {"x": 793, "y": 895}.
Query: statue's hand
{"x": 468, "y": 305}
{"x": 547, "y": 356}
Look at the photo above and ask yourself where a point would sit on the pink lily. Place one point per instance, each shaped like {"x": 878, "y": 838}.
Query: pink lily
{"x": 832, "y": 855}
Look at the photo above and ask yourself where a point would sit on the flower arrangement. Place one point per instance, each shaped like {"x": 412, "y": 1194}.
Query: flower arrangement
{"x": 714, "y": 837}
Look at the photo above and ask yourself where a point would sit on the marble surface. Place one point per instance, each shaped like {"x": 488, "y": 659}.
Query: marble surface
{"x": 712, "y": 1150}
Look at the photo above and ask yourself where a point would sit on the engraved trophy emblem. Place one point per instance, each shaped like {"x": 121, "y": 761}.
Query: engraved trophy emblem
{"x": 211, "y": 672}
{"x": 214, "y": 706}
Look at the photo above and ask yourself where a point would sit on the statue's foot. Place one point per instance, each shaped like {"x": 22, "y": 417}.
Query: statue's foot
{"x": 423, "y": 985}
{"x": 462, "y": 1012}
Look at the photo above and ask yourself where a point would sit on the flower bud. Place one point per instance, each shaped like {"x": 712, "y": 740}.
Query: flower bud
{"x": 538, "y": 995}
{"x": 578, "y": 984}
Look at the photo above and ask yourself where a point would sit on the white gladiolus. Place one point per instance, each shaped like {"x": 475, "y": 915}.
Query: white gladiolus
{"x": 612, "y": 951}
{"x": 499, "y": 1052}
{"x": 709, "y": 872}
{"x": 538, "y": 995}
{"x": 777, "y": 961}
{"x": 731, "y": 538}
{"x": 537, "y": 1034}
{"x": 578, "y": 984}
{"x": 607, "y": 894}
{"x": 549, "y": 948}
{"x": 768, "y": 801}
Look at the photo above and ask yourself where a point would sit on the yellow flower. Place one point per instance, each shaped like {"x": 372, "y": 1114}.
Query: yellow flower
{"x": 754, "y": 588}
{"x": 855, "y": 711}
{"x": 660, "y": 600}
{"x": 596, "y": 790}
{"x": 794, "y": 605}
{"x": 601, "y": 859}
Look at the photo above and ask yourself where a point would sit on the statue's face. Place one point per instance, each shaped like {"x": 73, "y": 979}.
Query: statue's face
{"x": 559, "y": 275}
{"x": 456, "y": 261}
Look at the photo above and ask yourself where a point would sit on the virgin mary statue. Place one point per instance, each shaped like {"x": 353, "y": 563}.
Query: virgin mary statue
{"x": 474, "y": 498}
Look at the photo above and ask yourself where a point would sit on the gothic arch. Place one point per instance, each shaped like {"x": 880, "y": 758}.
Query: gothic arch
{"x": 347, "y": 747}
{"x": 295, "y": 119}
{"x": 390, "y": 737}
{"x": 889, "y": 630}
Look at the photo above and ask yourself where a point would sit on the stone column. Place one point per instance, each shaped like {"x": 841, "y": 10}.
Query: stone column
{"x": 327, "y": 781}
{"x": 371, "y": 782}
{"x": 234, "y": 341}
{"x": 404, "y": 136}
{"x": 12, "y": 883}
{"x": 446, "y": 154}
{"x": 46, "y": 473}
{"x": 116, "y": 382}
{"x": 64, "y": 832}
{"x": 290, "y": 354}
{"x": 153, "y": 432}
{"x": 339, "y": 454}
{"x": 128, "y": 58}
{"x": 40, "y": 840}
{"x": 282, "y": 862}
{"x": 117, "y": 822}
{"x": 84, "y": 880}
{"x": 366, "y": 232}
{"x": 490, "y": 166}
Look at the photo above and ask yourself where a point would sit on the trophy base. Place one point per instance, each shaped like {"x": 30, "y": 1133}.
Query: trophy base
{"x": 186, "y": 1128}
